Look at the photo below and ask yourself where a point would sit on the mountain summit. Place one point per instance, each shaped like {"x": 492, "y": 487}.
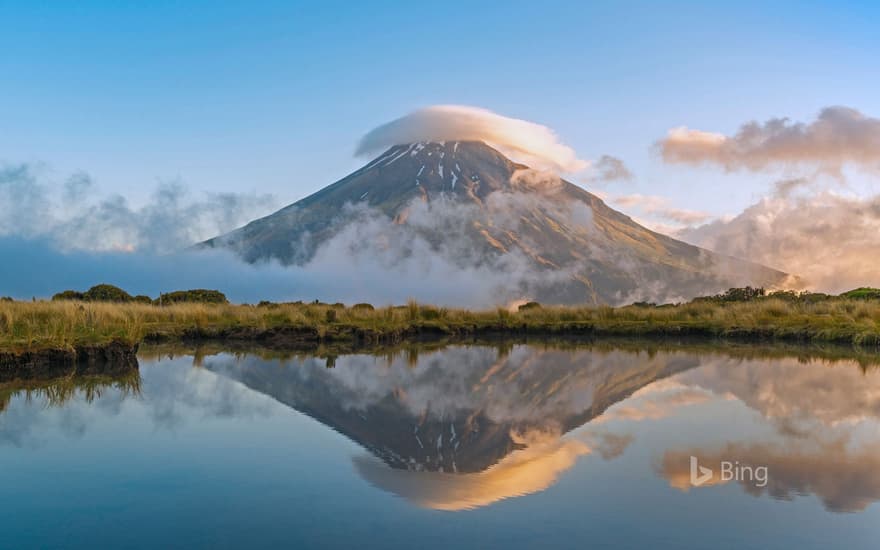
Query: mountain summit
{"x": 468, "y": 203}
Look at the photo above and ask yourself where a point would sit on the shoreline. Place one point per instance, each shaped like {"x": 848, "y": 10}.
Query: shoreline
{"x": 46, "y": 338}
{"x": 118, "y": 357}
{"x": 115, "y": 357}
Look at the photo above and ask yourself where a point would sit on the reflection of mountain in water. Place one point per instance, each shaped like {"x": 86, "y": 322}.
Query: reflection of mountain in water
{"x": 461, "y": 409}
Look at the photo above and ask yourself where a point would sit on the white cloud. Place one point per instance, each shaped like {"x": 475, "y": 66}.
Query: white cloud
{"x": 533, "y": 144}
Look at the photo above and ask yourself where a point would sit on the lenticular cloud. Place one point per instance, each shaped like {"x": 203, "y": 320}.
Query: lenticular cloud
{"x": 527, "y": 142}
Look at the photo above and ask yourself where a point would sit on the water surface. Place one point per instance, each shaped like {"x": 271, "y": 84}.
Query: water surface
{"x": 511, "y": 446}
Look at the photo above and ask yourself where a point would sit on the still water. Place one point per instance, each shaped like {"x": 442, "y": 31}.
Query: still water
{"x": 513, "y": 446}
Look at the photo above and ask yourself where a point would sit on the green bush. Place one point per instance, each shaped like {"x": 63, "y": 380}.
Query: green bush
{"x": 142, "y": 299}
{"x": 106, "y": 293}
{"x": 68, "y": 295}
{"x": 331, "y": 315}
{"x": 198, "y": 295}
{"x": 864, "y": 293}
{"x": 528, "y": 306}
{"x": 363, "y": 306}
{"x": 743, "y": 294}
{"x": 430, "y": 313}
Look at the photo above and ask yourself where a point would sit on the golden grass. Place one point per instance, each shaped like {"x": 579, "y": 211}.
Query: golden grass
{"x": 25, "y": 325}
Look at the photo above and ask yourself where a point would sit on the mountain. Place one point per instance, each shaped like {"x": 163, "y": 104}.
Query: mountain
{"x": 473, "y": 206}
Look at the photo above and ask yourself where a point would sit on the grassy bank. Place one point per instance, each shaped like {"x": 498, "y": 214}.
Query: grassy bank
{"x": 61, "y": 324}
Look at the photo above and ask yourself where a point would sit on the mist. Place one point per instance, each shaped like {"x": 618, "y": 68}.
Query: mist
{"x": 826, "y": 238}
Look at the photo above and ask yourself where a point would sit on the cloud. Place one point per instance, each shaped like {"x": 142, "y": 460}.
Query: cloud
{"x": 74, "y": 216}
{"x": 839, "y": 136}
{"x": 659, "y": 207}
{"x": 608, "y": 169}
{"x": 827, "y": 239}
{"x": 533, "y": 144}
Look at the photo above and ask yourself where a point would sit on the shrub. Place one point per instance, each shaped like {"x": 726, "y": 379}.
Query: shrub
{"x": 198, "y": 295}
{"x": 529, "y": 305}
{"x": 363, "y": 306}
{"x": 786, "y": 295}
{"x": 744, "y": 294}
{"x": 6, "y": 299}
{"x": 429, "y": 313}
{"x": 68, "y": 295}
{"x": 142, "y": 299}
{"x": 106, "y": 293}
{"x": 331, "y": 315}
{"x": 864, "y": 293}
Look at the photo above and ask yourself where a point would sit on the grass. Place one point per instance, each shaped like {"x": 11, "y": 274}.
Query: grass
{"x": 62, "y": 324}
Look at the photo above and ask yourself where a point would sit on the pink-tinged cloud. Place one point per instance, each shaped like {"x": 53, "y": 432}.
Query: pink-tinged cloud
{"x": 839, "y": 136}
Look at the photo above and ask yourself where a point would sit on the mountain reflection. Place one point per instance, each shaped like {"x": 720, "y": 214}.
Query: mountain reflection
{"x": 463, "y": 427}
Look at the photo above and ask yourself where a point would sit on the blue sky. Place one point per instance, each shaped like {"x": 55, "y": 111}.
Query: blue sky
{"x": 272, "y": 97}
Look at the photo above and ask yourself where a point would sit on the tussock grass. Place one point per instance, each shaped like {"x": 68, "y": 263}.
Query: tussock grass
{"x": 58, "y": 324}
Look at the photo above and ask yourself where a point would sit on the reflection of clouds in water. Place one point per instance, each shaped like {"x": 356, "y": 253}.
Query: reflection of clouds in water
{"x": 174, "y": 390}
{"x": 522, "y": 472}
{"x": 655, "y": 401}
{"x": 827, "y": 421}
{"x": 20, "y": 425}
{"x": 172, "y": 393}
{"x": 798, "y": 396}
{"x": 845, "y": 478}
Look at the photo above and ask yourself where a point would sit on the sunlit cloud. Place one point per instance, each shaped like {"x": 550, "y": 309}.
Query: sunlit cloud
{"x": 533, "y": 144}
{"x": 827, "y": 239}
{"x": 659, "y": 212}
{"x": 839, "y": 136}
{"x": 520, "y": 473}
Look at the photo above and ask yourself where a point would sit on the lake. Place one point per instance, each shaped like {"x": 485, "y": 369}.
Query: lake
{"x": 495, "y": 446}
